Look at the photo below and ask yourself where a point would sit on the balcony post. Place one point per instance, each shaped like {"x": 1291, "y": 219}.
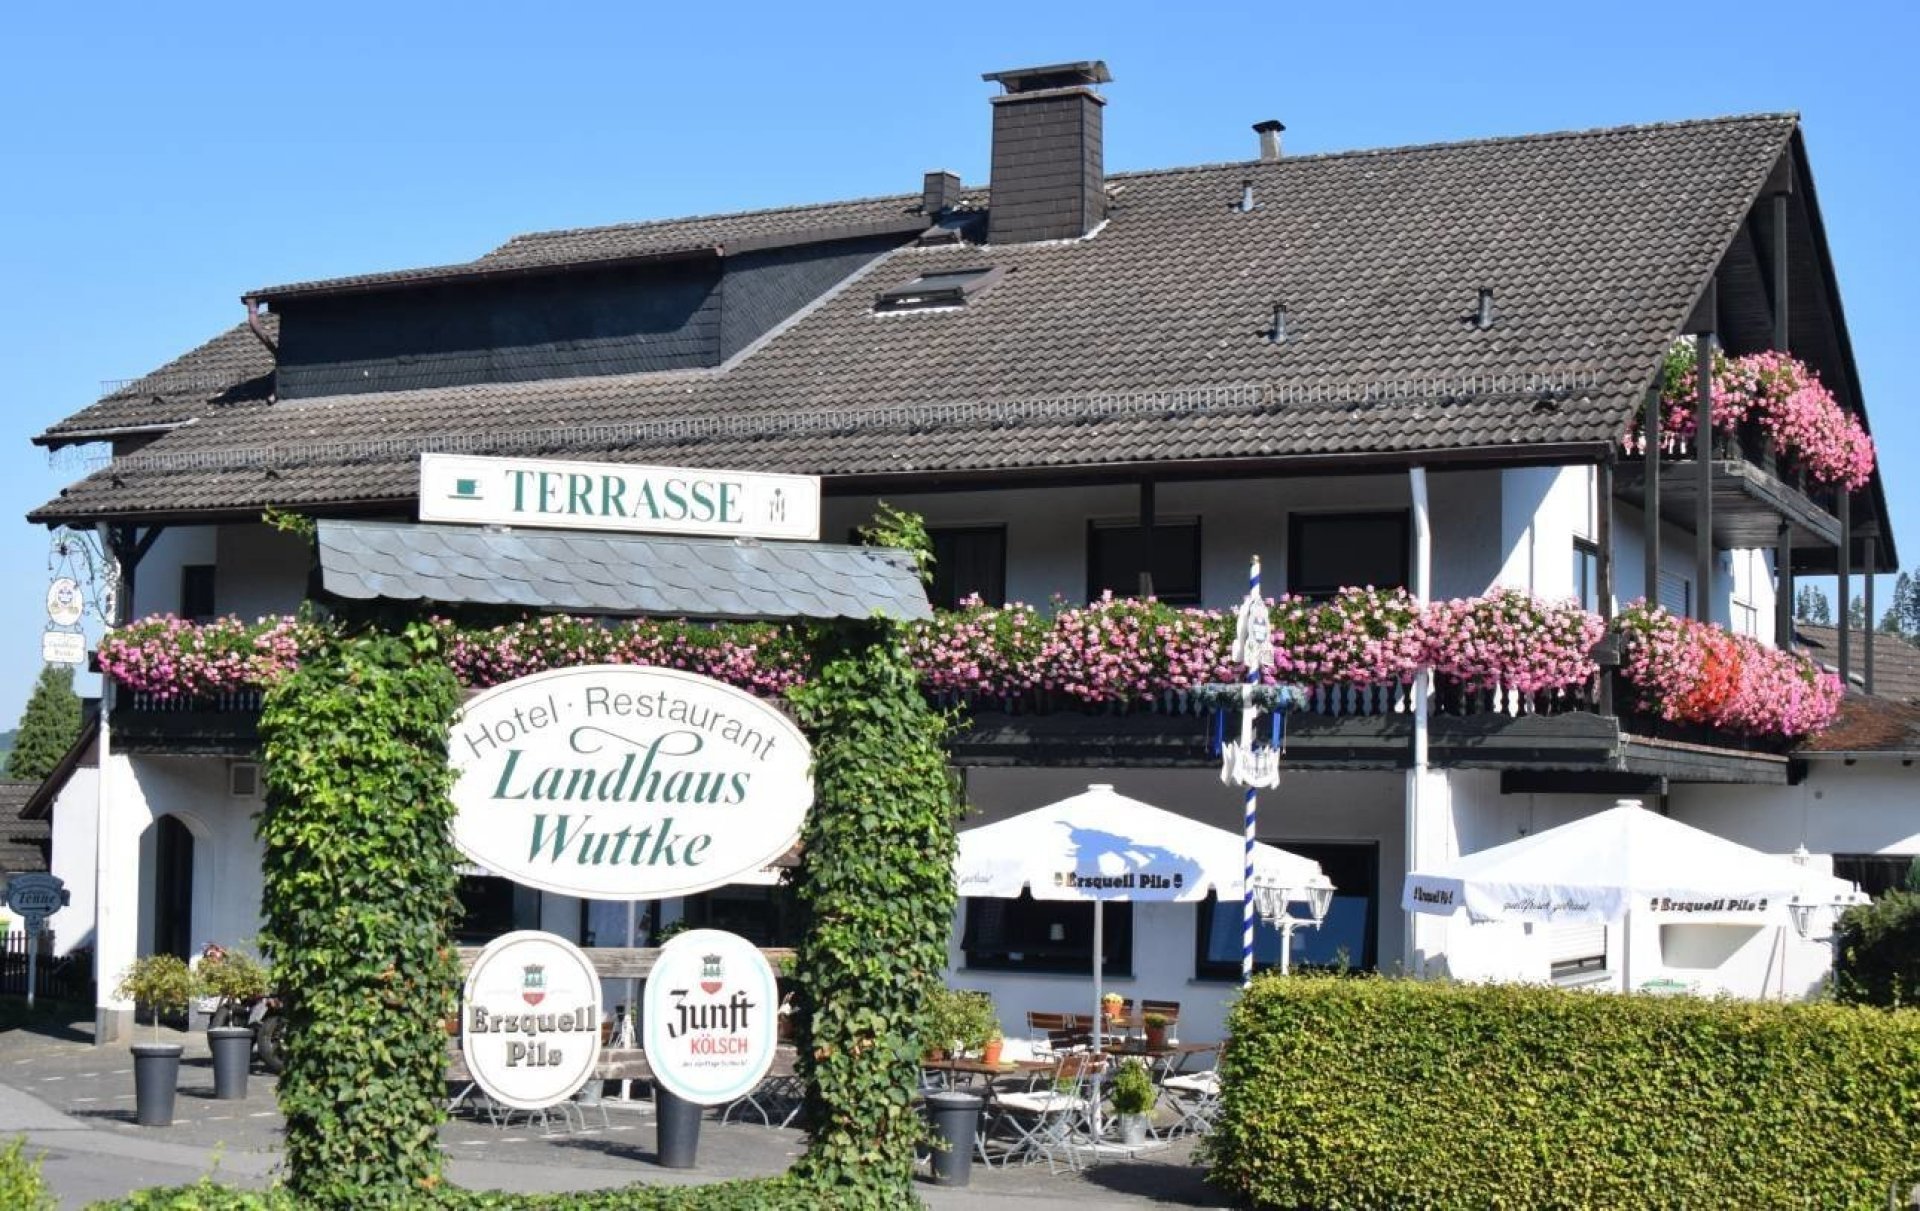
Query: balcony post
{"x": 1147, "y": 509}
{"x": 1783, "y": 588}
{"x": 1603, "y": 574}
{"x": 1650, "y": 426}
{"x": 1845, "y": 570}
{"x": 1703, "y": 478}
{"x": 1866, "y": 631}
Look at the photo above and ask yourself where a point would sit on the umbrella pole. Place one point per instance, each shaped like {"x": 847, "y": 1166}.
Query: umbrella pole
{"x": 1099, "y": 972}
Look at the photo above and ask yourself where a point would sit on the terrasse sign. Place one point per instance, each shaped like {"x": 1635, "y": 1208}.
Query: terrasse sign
{"x": 615, "y": 496}
{"x": 614, "y": 782}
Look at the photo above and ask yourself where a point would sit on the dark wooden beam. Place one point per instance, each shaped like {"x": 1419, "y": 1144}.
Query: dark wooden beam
{"x": 1603, "y": 575}
{"x": 1783, "y": 588}
{"x": 1650, "y": 505}
{"x": 1703, "y": 477}
{"x": 1780, "y": 331}
{"x": 1866, "y": 638}
{"x": 1146, "y": 537}
{"x": 1845, "y": 576}
{"x": 1580, "y": 782}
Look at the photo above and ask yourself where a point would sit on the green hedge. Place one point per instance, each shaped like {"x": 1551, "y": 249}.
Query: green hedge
{"x": 770, "y": 1194}
{"x": 1880, "y": 952}
{"x": 21, "y": 1186}
{"x": 1370, "y": 1093}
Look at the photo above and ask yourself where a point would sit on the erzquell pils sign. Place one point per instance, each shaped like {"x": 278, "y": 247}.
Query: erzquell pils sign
{"x": 617, "y": 782}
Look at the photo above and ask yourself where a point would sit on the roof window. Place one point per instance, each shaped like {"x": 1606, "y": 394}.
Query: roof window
{"x": 928, "y": 292}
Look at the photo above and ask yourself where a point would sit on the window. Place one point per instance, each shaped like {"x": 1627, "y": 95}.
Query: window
{"x": 765, "y": 916}
{"x": 1045, "y": 935}
{"x": 968, "y": 560}
{"x": 1345, "y": 940}
{"x": 1327, "y": 552}
{"x": 937, "y": 290}
{"x": 486, "y": 909}
{"x": 1116, "y": 555}
{"x": 196, "y": 592}
{"x": 1676, "y": 594}
{"x": 1877, "y": 874}
{"x": 1586, "y": 574}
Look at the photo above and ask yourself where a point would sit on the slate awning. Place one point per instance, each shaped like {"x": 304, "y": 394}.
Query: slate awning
{"x": 669, "y": 576}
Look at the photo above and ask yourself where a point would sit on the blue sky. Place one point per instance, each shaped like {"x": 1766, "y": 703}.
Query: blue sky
{"x": 162, "y": 159}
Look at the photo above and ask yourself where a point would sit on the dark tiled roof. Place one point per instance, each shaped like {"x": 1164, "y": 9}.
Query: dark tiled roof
{"x": 232, "y": 369}
{"x": 1869, "y": 723}
{"x": 1896, "y": 662}
{"x": 598, "y": 573}
{"x": 1146, "y": 343}
{"x": 23, "y": 843}
{"x": 583, "y": 246}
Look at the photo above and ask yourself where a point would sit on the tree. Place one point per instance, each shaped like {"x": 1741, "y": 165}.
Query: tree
{"x": 1904, "y": 613}
{"x": 48, "y": 727}
{"x": 1810, "y": 605}
{"x": 1857, "y": 614}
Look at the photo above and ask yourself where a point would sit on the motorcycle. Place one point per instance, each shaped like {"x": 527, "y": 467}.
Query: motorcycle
{"x": 266, "y": 1017}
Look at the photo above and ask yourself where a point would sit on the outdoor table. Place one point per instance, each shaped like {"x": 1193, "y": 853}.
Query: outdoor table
{"x": 975, "y": 1068}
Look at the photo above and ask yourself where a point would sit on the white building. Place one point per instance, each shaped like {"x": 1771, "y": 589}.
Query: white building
{"x": 1357, "y": 367}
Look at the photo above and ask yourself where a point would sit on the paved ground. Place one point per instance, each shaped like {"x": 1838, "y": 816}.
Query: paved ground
{"x": 74, "y": 1102}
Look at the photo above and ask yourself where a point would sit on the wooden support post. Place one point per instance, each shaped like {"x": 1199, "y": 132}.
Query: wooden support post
{"x": 1845, "y": 570}
{"x": 1780, "y": 272}
{"x": 1866, "y": 631}
{"x": 1650, "y": 425}
{"x": 1703, "y": 479}
{"x": 1783, "y": 588}
{"x": 1603, "y": 574}
{"x": 1146, "y": 537}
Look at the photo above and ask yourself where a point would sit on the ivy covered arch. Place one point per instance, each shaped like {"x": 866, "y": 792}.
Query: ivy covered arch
{"x": 359, "y": 901}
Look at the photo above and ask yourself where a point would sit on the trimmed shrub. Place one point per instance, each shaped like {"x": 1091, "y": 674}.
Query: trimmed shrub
{"x": 1370, "y": 1093}
{"x": 769, "y": 1194}
{"x": 21, "y": 1186}
{"x": 1880, "y": 952}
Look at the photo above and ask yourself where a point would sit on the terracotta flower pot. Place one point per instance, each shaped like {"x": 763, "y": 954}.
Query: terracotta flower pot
{"x": 1156, "y": 1037}
{"x": 990, "y": 1054}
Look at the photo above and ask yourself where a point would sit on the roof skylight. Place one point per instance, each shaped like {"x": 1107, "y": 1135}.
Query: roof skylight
{"x": 931, "y": 291}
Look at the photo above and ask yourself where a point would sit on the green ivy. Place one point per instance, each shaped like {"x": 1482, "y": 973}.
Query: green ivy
{"x": 359, "y": 898}
{"x": 876, "y": 883}
{"x": 1380, "y": 1094}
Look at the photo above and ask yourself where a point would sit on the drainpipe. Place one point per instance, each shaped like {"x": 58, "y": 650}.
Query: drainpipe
{"x": 254, "y": 311}
{"x": 1422, "y": 685}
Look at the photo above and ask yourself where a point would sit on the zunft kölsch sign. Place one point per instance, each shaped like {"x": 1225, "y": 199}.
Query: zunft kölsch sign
{"x": 710, "y": 1017}
{"x": 530, "y": 1019}
{"x": 616, "y": 782}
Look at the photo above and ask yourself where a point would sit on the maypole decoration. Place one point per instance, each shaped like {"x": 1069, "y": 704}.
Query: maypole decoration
{"x": 1246, "y": 762}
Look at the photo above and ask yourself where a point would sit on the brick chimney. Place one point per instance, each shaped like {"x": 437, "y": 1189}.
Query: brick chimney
{"x": 1049, "y": 181}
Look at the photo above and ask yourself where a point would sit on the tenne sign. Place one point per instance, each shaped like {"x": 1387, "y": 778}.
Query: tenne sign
{"x": 711, "y": 1016}
{"x": 618, "y": 782}
{"x": 36, "y": 896}
{"x": 615, "y": 496}
{"x": 530, "y": 1019}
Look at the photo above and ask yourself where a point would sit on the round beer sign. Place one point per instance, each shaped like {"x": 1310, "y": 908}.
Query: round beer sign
{"x": 710, "y": 1016}
{"x": 617, "y": 782}
{"x": 530, "y": 1019}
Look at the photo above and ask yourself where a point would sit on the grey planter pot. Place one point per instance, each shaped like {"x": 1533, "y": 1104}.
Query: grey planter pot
{"x": 678, "y": 1123}
{"x": 1133, "y": 1130}
{"x": 156, "y": 1076}
{"x": 232, "y": 1048}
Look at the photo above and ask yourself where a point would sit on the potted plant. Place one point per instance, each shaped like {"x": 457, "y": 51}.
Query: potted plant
{"x": 1133, "y": 1094}
{"x": 162, "y": 984}
{"x": 236, "y": 980}
{"x": 1112, "y": 1007}
{"x": 1157, "y": 1024}
{"x": 957, "y": 1021}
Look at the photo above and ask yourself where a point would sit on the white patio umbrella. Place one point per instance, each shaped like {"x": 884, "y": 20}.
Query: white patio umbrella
{"x": 1101, "y": 846}
{"x": 1602, "y": 867}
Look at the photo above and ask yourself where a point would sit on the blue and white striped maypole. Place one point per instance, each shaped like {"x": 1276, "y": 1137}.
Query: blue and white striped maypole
{"x": 1244, "y": 763}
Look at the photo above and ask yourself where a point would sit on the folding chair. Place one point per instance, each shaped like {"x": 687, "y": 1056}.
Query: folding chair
{"x": 1195, "y": 1099}
{"x": 1054, "y": 1120}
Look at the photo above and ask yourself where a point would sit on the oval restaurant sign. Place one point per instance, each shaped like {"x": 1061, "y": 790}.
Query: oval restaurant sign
{"x": 710, "y": 1016}
{"x": 530, "y": 1019}
{"x": 615, "y": 782}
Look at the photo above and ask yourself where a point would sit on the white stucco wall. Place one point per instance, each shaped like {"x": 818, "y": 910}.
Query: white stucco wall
{"x": 226, "y": 857}
{"x": 1871, "y": 806}
{"x": 75, "y": 812}
{"x": 259, "y": 571}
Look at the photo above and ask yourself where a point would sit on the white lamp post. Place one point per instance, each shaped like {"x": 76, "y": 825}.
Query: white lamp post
{"x": 1801, "y": 911}
{"x": 1271, "y": 900}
